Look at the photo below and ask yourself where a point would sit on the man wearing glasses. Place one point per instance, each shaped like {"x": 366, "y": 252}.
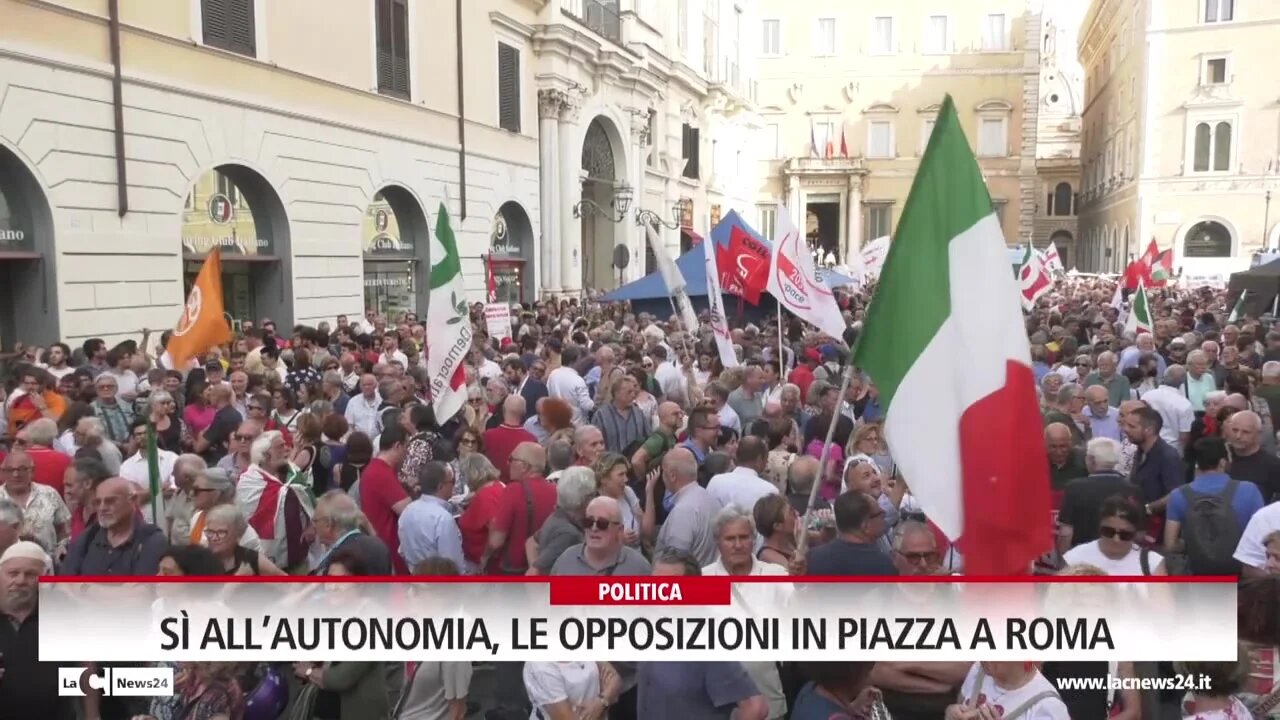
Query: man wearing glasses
{"x": 603, "y": 553}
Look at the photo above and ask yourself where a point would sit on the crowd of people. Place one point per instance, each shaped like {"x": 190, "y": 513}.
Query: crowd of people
{"x": 598, "y": 441}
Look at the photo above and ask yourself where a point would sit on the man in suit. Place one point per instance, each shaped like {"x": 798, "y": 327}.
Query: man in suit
{"x": 531, "y": 389}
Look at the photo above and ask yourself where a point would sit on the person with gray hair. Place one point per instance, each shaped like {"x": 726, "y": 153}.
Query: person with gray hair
{"x": 688, "y": 525}
{"x": 576, "y": 488}
{"x": 282, "y": 528}
{"x": 224, "y": 529}
{"x": 10, "y": 524}
{"x": 178, "y": 507}
{"x": 1269, "y": 388}
{"x": 91, "y": 433}
{"x": 1083, "y": 497}
{"x": 602, "y": 551}
{"x": 339, "y": 524}
{"x": 210, "y": 488}
{"x": 735, "y": 533}
{"x": 427, "y": 527}
{"x": 1067, "y": 408}
{"x": 915, "y": 549}
{"x": 1200, "y": 381}
{"x": 1176, "y": 412}
{"x": 559, "y": 458}
{"x": 1106, "y": 375}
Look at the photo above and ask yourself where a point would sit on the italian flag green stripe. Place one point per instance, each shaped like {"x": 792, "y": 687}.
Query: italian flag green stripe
{"x": 947, "y": 198}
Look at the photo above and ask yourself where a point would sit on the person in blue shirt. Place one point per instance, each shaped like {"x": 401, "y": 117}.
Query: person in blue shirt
{"x": 1212, "y": 461}
{"x": 835, "y": 691}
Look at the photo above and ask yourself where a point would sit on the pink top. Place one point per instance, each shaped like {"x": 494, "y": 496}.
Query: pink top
{"x": 198, "y": 418}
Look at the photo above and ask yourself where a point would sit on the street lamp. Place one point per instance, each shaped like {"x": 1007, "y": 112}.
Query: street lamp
{"x": 649, "y": 217}
{"x": 618, "y": 206}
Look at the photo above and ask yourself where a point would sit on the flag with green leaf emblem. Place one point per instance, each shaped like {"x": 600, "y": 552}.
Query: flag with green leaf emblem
{"x": 448, "y": 324}
{"x": 1237, "y": 311}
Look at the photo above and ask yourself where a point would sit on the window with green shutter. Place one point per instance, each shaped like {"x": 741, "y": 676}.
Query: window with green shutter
{"x": 508, "y": 88}
{"x": 229, "y": 25}
{"x": 392, "y": 21}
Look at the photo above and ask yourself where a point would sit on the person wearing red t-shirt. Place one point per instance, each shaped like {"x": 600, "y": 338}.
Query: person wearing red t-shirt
{"x": 526, "y": 502}
{"x": 501, "y": 442}
{"x": 802, "y": 375}
{"x": 382, "y": 497}
{"x": 38, "y": 437}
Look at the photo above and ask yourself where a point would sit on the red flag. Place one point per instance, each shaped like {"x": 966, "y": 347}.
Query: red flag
{"x": 744, "y": 265}
{"x": 490, "y": 283}
{"x": 844, "y": 147}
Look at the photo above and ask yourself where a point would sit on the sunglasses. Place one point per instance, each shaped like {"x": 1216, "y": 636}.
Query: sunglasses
{"x": 467, "y": 441}
{"x": 203, "y": 490}
{"x": 919, "y": 557}
{"x": 1110, "y": 532}
{"x": 600, "y": 524}
{"x": 244, "y": 438}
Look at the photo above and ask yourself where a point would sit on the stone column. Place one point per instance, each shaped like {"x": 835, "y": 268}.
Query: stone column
{"x": 794, "y": 204}
{"x": 638, "y": 238}
{"x": 570, "y": 240}
{"x": 853, "y": 220}
{"x": 549, "y": 102}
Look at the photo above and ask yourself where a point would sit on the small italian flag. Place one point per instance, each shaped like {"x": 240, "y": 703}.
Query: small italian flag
{"x": 1139, "y": 320}
{"x": 945, "y": 343}
{"x": 1237, "y": 311}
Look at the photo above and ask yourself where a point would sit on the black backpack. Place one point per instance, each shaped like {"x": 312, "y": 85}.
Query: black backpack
{"x": 1211, "y": 531}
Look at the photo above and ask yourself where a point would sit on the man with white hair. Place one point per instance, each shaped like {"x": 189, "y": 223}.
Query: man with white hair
{"x": 178, "y": 507}
{"x": 1269, "y": 389}
{"x": 28, "y": 687}
{"x": 1213, "y": 352}
{"x": 603, "y": 551}
{"x": 278, "y": 513}
{"x": 1082, "y": 499}
{"x": 688, "y": 525}
{"x": 1145, "y": 344}
{"x": 50, "y": 464}
{"x": 1175, "y": 409}
{"x": 1200, "y": 381}
{"x": 1106, "y": 375}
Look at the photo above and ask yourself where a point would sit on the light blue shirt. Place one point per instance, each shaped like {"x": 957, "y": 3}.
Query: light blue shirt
{"x": 427, "y": 529}
{"x": 1107, "y": 426}
{"x": 1130, "y": 356}
{"x": 1197, "y": 389}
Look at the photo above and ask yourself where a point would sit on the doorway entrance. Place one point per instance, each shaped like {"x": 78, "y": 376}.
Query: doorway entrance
{"x": 28, "y": 282}
{"x": 822, "y": 230}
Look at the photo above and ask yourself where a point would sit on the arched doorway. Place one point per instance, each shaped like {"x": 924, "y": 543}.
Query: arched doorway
{"x": 604, "y": 172}
{"x": 233, "y": 208}
{"x": 28, "y": 281}
{"x": 1066, "y": 246}
{"x": 510, "y": 243}
{"x": 395, "y": 244}
{"x": 1208, "y": 239}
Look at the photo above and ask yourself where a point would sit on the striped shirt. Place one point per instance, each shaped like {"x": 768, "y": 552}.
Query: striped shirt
{"x": 621, "y": 429}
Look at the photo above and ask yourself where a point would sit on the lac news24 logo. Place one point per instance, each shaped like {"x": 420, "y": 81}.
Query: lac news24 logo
{"x": 119, "y": 681}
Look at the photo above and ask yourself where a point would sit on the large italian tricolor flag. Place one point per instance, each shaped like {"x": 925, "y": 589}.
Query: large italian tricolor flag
{"x": 945, "y": 344}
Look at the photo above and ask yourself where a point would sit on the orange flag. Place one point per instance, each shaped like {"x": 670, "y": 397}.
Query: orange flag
{"x": 202, "y": 324}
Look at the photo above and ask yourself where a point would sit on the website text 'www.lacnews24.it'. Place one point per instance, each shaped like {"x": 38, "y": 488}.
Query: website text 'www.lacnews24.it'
{"x": 1181, "y": 682}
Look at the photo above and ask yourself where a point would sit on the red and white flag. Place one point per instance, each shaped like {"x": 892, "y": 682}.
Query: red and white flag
{"x": 1034, "y": 278}
{"x": 1051, "y": 258}
{"x": 794, "y": 283}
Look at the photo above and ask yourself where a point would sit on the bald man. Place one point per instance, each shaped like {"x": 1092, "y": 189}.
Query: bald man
{"x": 501, "y": 441}
{"x": 120, "y": 543}
{"x": 1248, "y": 460}
{"x": 1101, "y": 419}
{"x": 526, "y": 502}
{"x": 688, "y": 525}
{"x": 1065, "y": 462}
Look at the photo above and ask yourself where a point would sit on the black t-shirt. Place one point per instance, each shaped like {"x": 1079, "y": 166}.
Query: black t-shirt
{"x": 848, "y": 559}
{"x": 29, "y": 688}
{"x": 1261, "y": 469}
{"x": 219, "y": 432}
{"x": 1083, "y": 499}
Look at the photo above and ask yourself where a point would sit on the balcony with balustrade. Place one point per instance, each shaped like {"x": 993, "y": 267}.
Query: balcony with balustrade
{"x": 603, "y": 17}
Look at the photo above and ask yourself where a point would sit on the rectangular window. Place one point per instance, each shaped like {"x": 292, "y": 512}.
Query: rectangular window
{"x": 689, "y": 148}
{"x": 879, "y": 221}
{"x": 992, "y": 140}
{"x": 773, "y": 140}
{"x": 771, "y": 40}
{"x": 995, "y": 36}
{"x": 926, "y": 130}
{"x": 1215, "y": 71}
{"x": 682, "y": 25}
{"x": 825, "y": 42}
{"x": 1219, "y": 11}
{"x": 882, "y": 36}
{"x": 228, "y": 189}
{"x": 880, "y": 140}
{"x": 392, "y": 18}
{"x": 229, "y": 25}
{"x": 508, "y": 88}
{"x": 768, "y": 220}
{"x": 937, "y": 35}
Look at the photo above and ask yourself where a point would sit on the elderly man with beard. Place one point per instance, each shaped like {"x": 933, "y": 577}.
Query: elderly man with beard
{"x": 28, "y": 687}
{"x": 279, "y": 513}
{"x": 120, "y": 543}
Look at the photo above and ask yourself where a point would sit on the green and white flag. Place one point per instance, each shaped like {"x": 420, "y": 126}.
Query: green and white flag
{"x": 448, "y": 325}
{"x": 1237, "y": 311}
{"x": 945, "y": 343}
{"x": 1139, "y": 320}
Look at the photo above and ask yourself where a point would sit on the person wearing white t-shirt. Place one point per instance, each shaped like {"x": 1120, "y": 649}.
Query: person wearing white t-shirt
{"x": 135, "y": 469}
{"x": 391, "y": 350}
{"x": 1252, "y": 550}
{"x": 735, "y": 533}
{"x": 1012, "y": 690}
{"x": 1114, "y": 552}
{"x": 743, "y": 486}
{"x": 570, "y": 689}
{"x": 1174, "y": 408}
{"x": 56, "y": 359}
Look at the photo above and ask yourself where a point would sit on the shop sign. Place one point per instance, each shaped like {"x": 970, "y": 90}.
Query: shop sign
{"x": 228, "y": 244}
{"x": 385, "y": 281}
{"x": 14, "y": 240}
{"x": 501, "y": 244}
{"x": 220, "y": 209}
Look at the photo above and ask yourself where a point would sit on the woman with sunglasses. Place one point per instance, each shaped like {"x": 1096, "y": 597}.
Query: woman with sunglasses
{"x": 1115, "y": 550}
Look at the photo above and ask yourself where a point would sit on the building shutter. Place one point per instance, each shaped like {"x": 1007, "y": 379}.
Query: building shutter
{"x": 229, "y": 25}
{"x": 508, "y": 88}
{"x": 391, "y": 19}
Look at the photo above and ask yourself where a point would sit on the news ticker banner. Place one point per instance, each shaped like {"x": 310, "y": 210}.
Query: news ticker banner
{"x": 634, "y": 619}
